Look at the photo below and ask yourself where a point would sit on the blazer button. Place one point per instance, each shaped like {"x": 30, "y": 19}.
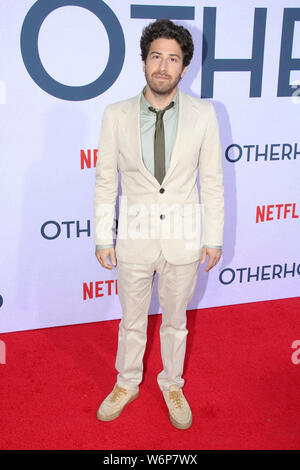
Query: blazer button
{"x": 162, "y": 216}
{"x": 161, "y": 190}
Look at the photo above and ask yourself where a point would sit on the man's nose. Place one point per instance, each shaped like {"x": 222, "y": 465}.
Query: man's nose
{"x": 163, "y": 65}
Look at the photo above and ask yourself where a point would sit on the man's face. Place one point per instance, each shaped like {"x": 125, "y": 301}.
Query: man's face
{"x": 163, "y": 67}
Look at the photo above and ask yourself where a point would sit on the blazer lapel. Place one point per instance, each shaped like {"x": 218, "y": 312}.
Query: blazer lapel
{"x": 186, "y": 123}
{"x": 176, "y": 148}
{"x": 134, "y": 137}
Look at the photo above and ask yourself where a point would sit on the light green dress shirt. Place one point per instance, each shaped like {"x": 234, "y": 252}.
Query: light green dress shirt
{"x": 147, "y": 129}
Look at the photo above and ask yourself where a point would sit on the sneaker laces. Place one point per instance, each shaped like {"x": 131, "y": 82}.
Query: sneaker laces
{"x": 176, "y": 398}
{"x": 117, "y": 393}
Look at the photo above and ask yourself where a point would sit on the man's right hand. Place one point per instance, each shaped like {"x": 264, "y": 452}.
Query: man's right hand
{"x": 102, "y": 257}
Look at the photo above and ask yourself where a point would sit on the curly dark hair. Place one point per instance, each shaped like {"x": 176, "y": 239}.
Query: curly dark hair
{"x": 169, "y": 30}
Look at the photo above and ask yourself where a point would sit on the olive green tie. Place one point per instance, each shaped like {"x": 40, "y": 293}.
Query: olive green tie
{"x": 159, "y": 143}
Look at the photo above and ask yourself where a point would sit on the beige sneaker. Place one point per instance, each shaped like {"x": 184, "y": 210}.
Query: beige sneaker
{"x": 179, "y": 410}
{"x": 115, "y": 402}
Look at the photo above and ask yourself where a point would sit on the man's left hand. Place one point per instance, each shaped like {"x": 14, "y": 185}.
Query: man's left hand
{"x": 214, "y": 256}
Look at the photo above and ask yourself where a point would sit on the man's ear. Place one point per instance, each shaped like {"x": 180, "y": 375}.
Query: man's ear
{"x": 144, "y": 66}
{"x": 183, "y": 71}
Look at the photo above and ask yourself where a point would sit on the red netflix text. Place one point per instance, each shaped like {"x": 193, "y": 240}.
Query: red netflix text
{"x": 276, "y": 212}
{"x": 88, "y": 158}
{"x": 100, "y": 289}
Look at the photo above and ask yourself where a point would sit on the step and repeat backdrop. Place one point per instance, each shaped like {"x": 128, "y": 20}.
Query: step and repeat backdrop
{"x": 62, "y": 62}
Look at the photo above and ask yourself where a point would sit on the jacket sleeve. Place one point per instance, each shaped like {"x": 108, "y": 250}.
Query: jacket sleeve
{"x": 106, "y": 183}
{"x": 211, "y": 182}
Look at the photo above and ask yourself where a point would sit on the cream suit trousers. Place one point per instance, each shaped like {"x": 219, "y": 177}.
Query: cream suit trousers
{"x": 176, "y": 285}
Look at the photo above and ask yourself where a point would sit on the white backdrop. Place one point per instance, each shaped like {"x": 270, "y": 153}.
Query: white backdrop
{"x": 49, "y": 273}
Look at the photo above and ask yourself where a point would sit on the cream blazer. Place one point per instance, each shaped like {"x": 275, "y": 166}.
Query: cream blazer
{"x": 170, "y": 217}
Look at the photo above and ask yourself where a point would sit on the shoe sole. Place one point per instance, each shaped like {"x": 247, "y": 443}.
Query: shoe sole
{"x": 178, "y": 425}
{"x": 117, "y": 414}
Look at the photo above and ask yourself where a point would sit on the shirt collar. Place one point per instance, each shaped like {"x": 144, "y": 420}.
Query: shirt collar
{"x": 145, "y": 103}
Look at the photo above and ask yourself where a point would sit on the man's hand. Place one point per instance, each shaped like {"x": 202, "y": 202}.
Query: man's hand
{"x": 214, "y": 256}
{"x": 102, "y": 256}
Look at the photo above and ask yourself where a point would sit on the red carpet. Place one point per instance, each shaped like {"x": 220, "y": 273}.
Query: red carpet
{"x": 241, "y": 383}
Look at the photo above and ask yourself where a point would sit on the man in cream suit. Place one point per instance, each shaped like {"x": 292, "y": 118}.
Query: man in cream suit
{"x": 158, "y": 141}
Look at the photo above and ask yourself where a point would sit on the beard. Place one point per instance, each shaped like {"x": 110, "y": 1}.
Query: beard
{"x": 164, "y": 87}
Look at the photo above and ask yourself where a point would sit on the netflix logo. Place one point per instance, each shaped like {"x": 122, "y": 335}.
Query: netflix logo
{"x": 88, "y": 158}
{"x": 92, "y": 290}
{"x": 270, "y": 212}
